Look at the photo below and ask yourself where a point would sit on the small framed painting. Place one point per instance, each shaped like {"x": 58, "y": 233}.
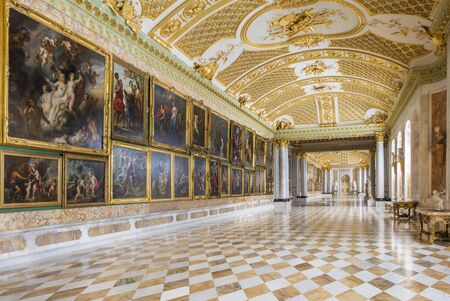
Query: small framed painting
{"x": 224, "y": 179}
{"x": 237, "y": 138}
{"x": 200, "y": 175}
{"x": 160, "y": 176}
{"x": 214, "y": 177}
{"x": 236, "y": 181}
{"x": 182, "y": 181}
{"x": 218, "y": 136}
{"x": 260, "y": 151}
{"x": 199, "y": 123}
{"x": 249, "y": 149}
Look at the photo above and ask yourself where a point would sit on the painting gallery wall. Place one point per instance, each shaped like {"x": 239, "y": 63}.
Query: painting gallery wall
{"x": 82, "y": 127}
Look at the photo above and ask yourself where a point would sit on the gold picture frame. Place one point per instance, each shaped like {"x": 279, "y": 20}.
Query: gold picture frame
{"x": 146, "y": 103}
{"x": 106, "y": 175}
{"x": 114, "y": 200}
{"x": 206, "y": 193}
{"x": 182, "y": 198}
{"x": 227, "y": 151}
{"x": 252, "y": 167}
{"x": 195, "y": 103}
{"x": 211, "y": 160}
{"x": 34, "y": 155}
{"x": 227, "y": 166}
{"x": 264, "y": 141}
{"x": 171, "y": 173}
{"x": 9, "y": 5}
{"x": 153, "y": 143}
{"x": 240, "y": 161}
{"x": 241, "y": 171}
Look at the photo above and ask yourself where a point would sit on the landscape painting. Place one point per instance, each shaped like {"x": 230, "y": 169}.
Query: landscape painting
{"x": 56, "y": 88}
{"x": 129, "y": 174}
{"x": 225, "y": 180}
{"x": 237, "y": 132}
{"x": 161, "y": 173}
{"x": 85, "y": 183}
{"x": 260, "y": 151}
{"x": 236, "y": 181}
{"x": 214, "y": 178}
{"x": 198, "y": 122}
{"x": 249, "y": 138}
{"x": 181, "y": 176}
{"x": 169, "y": 117}
{"x": 129, "y": 103}
{"x": 218, "y": 137}
{"x": 30, "y": 180}
{"x": 200, "y": 177}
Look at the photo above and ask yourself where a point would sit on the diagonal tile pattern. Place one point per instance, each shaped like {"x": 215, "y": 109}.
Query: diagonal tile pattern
{"x": 335, "y": 250}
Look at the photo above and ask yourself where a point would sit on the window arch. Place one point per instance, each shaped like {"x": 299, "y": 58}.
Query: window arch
{"x": 393, "y": 175}
{"x": 399, "y": 170}
{"x": 407, "y": 160}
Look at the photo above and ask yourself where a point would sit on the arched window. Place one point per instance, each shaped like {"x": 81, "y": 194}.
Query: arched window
{"x": 407, "y": 160}
{"x": 399, "y": 170}
{"x": 393, "y": 175}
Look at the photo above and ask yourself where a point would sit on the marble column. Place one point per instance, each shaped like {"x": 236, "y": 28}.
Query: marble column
{"x": 296, "y": 176}
{"x": 283, "y": 171}
{"x": 379, "y": 138}
{"x": 365, "y": 171}
{"x": 303, "y": 176}
{"x": 324, "y": 186}
{"x": 372, "y": 170}
{"x": 276, "y": 172}
{"x": 360, "y": 179}
{"x": 447, "y": 160}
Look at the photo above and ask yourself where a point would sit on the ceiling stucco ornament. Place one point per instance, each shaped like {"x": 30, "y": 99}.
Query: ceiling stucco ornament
{"x": 244, "y": 99}
{"x": 317, "y": 68}
{"x": 129, "y": 10}
{"x": 208, "y": 67}
{"x": 376, "y": 117}
{"x": 284, "y": 123}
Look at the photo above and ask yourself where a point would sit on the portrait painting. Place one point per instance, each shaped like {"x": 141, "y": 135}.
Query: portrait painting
{"x": 161, "y": 176}
{"x": 181, "y": 177}
{"x": 214, "y": 172}
{"x": 129, "y": 174}
{"x": 200, "y": 174}
{"x": 225, "y": 179}
{"x": 169, "y": 117}
{"x": 249, "y": 139}
{"x": 129, "y": 104}
{"x": 85, "y": 182}
{"x": 237, "y": 132}
{"x": 198, "y": 122}
{"x": 30, "y": 180}
{"x": 56, "y": 88}
{"x": 236, "y": 181}
{"x": 260, "y": 151}
{"x": 246, "y": 183}
{"x": 218, "y": 137}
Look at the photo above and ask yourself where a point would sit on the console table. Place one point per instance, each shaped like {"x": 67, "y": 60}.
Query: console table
{"x": 430, "y": 217}
{"x": 410, "y": 205}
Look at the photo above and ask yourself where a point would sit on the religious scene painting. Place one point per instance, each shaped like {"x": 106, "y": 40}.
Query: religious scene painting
{"x": 214, "y": 178}
{"x": 249, "y": 138}
{"x": 236, "y": 143}
{"x": 129, "y": 103}
{"x": 169, "y": 121}
{"x": 198, "y": 127}
{"x": 56, "y": 87}
{"x": 200, "y": 176}
{"x": 236, "y": 181}
{"x": 260, "y": 150}
{"x": 218, "y": 137}
{"x": 129, "y": 174}
{"x": 30, "y": 180}
{"x": 181, "y": 176}
{"x": 161, "y": 176}
{"x": 85, "y": 181}
{"x": 225, "y": 179}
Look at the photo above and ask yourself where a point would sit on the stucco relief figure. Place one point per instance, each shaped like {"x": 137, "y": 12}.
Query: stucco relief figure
{"x": 438, "y": 200}
{"x": 439, "y": 145}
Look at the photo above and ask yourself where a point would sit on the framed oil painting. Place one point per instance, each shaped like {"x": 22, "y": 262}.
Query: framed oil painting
{"x": 262, "y": 179}
{"x": 181, "y": 177}
{"x": 30, "y": 179}
{"x": 260, "y": 151}
{"x": 85, "y": 181}
{"x": 169, "y": 117}
{"x": 199, "y": 117}
{"x": 161, "y": 176}
{"x": 236, "y": 181}
{"x": 224, "y": 179}
{"x": 247, "y": 183}
{"x": 57, "y": 88}
{"x": 269, "y": 164}
{"x": 218, "y": 136}
{"x": 214, "y": 177}
{"x": 129, "y": 177}
{"x": 129, "y": 102}
{"x": 258, "y": 180}
{"x": 249, "y": 149}
{"x": 237, "y": 135}
{"x": 200, "y": 177}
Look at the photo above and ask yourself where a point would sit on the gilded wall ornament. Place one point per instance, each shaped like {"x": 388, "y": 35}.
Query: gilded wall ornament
{"x": 283, "y": 125}
{"x": 378, "y": 119}
{"x": 244, "y": 99}
{"x": 310, "y": 41}
{"x": 170, "y": 27}
{"x": 208, "y": 68}
{"x": 128, "y": 10}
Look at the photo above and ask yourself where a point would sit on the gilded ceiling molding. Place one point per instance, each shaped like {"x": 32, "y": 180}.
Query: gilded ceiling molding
{"x": 328, "y": 133}
{"x": 100, "y": 25}
{"x": 442, "y": 19}
{"x": 330, "y": 53}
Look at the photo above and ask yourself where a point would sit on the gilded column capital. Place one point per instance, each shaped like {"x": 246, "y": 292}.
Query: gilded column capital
{"x": 282, "y": 142}
{"x": 379, "y": 136}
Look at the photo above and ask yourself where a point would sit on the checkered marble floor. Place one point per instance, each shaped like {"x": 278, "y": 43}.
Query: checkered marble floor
{"x": 327, "y": 252}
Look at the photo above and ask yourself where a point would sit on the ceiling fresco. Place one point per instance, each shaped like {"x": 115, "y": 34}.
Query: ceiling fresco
{"x": 308, "y": 62}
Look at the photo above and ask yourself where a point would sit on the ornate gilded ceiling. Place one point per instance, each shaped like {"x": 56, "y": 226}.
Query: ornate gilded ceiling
{"x": 339, "y": 159}
{"x": 311, "y": 62}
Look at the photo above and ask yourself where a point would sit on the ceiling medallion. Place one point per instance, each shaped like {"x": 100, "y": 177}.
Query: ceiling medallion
{"x": 317, "y": 68}
{"x": 129, "y": 10}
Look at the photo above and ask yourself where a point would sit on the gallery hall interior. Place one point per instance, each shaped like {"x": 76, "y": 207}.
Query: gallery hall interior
{"x": 224, "y": 150}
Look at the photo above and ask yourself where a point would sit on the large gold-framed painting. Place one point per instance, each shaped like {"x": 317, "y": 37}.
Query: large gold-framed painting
{"x": 30, "y": 179}
{"x": 129, "y": 103}
{"x": 199, "y": 126}
{"x": 218, "y": 136}
{"x": 224, "y": 179}
{"x": 249, "y": 148}
{"x": 57, "y": 87}
{"x": 260, "y": 151}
